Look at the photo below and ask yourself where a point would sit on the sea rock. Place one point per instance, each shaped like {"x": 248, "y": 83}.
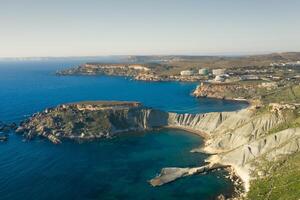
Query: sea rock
{"x": 7, "y": 127}
{"x": 170, "y": 174}
{"x": 221, "y": 197}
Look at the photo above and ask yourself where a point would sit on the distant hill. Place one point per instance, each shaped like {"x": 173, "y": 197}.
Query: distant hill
{"x": 218, "y": 61}
{"x": 179, "y": 62}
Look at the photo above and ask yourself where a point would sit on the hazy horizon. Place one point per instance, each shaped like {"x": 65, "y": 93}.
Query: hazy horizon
{"x": 235, "y": 54}
{"x": 169, "y": 27}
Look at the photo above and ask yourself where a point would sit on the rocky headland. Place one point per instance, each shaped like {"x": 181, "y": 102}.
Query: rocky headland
{"x": 229, "y": 91}
{"x": 255, "y": 92}
{"x": 90, "y": 120}
{"x": 140, "y": 72}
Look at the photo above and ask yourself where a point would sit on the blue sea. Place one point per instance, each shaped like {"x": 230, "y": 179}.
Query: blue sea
{"x": 118, "y": 168}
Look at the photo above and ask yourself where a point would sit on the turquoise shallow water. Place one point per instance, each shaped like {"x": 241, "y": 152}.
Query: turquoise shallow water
{"x": 107, "y": 169}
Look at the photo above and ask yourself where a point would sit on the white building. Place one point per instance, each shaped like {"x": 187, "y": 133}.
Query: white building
{"x": 187, "y": 73}
{"x": 203, "y": 71}
{"x": 218, "y": 72}
{"x": 297, "y": 63}
{"x": 219, "y": 78}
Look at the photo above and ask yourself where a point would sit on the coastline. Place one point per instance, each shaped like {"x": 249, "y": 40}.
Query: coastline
{"x": 240, "y": 183}
{"x": 136, "y": 76}
{"x": 235, "y": 169}
{"x": 249, "y": 102}
{"x": 240, "y": 179}
{"x": 202, "y": 134}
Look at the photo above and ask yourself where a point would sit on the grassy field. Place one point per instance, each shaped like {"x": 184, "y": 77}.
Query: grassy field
{"x": 252, "y": 91}
{"x": 293, "y": 121}
{"x": 282, "y": 183}
{"x": 289, "y": 94}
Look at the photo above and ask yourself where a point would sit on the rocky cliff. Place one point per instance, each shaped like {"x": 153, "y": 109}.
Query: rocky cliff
{"x": 226, "y": 90}
{"x": 243, "y": 140}
{"x": 90, "y": 120}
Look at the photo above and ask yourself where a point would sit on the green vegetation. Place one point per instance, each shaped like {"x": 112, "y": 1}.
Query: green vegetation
{"x": 73, "y": 122}
{"x": 252, "y": 90}
{"x": 290, "y": 94}
{"x": 293, "y": 123}
{"x": 281, "y": 183}
{"x": 280, "y": 179}
{"x": 292, "y": 119}
{"x": 85, "y": 122}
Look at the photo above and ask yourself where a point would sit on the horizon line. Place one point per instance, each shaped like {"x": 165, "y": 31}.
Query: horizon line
{"x": 149, "y": 55}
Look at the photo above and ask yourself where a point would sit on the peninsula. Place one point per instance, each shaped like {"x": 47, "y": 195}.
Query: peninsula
{"x": 276, "y": 68}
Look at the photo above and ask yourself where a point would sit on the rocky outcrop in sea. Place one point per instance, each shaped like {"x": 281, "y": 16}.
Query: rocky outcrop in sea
{"x": 5, "y": 129}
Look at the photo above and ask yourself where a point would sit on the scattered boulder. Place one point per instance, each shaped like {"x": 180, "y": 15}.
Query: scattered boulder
{"x": 221, "y": 197}
{"x": 6, "y": 128}
{"x": 3, "y": 138}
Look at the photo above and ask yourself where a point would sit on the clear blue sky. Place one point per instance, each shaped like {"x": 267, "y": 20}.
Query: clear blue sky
{"x": 123, "y": 27}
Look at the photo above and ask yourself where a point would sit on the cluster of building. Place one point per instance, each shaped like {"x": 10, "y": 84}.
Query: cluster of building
{"x": 203, "y": 72}
{"x": 222, "y": 75}
{"x": 292, "y": 64}
{"x": 219, "y": 75}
